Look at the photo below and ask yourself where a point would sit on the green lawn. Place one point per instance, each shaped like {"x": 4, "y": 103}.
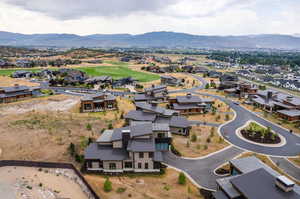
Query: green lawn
{"x": 116, "y": 71}
{"x": 255, "y": 127}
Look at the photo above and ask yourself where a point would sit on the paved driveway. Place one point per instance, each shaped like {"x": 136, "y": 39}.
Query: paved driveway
{"x": 202, "y": 170}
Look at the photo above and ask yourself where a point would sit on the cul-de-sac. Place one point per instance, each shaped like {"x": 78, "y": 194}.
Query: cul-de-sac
{"x": 139, "y": 99}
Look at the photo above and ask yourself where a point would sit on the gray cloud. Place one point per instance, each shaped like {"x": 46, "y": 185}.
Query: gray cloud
{"x": 74, "y": 9}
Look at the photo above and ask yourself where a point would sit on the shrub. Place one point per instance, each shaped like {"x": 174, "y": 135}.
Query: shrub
{"x": 198, "y": 146}
{"x": 194, "y": 138}
{"x": 208, "y": 140}
{"x": 207, "y": 86}
{"x": 102, "y": 130}
{"x": 205, "y": 147}
{"x": 107, "y": 187}
{"x": 221, "y": 140}
{"x": 227, "y": 117}
{"x": 110, "y": 126}
{"x": 174, "y": 150}
{"x": 187, "y": 144}
{"x": 181, "y": 179}
{"x": 89, "y": 127}
{"x": 121, "y": 190}
{"x": 79, "y": 158}
{"x": 72, "y": 149}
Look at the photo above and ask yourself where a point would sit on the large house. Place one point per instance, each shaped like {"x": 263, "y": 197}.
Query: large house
{"x": 228, "y": 81}
{"x": 170, "y": 80}
{"x": 135, "y": 148}
{"x": 16, "y": 93}
{"x": 252, "y": 179}
{"x": 153, "y": 113}
{"x": 98, "y": 102}
{"x": 243, "y": 90}
{"x": 287, "y": 106}
{"x": 153, "y": 93}
{"x": 190, "y": 104}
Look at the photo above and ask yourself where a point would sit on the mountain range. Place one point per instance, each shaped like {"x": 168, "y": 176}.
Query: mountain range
{"x": 152, "y": 39}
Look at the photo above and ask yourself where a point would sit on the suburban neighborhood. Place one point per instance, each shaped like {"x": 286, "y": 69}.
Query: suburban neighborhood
{"x": 149, "y": 99}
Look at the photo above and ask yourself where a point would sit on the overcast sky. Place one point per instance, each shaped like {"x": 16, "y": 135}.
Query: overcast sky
{"x": 207, "y": 17}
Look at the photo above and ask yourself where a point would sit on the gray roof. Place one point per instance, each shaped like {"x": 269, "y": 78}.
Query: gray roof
{"x": 227, "y": 187}
{"x": 187, "y": 106}
{"x": 91, "y": 97}
{"x": 161, "y": 127}
{"x": 156, "y": 87}
{"x": 179, "y": 121}
{"x": 219, "y": 195}
{"x": 135, "y": 131}
{"x": 155, "y": 126}
{"x": 96, "y": 152}
{"x": 141, "y": 145}
{"x": 155, "y": 108}
{"x": 14, "y": 89}
{"x": 189, "y": 99}
{"x": 248, "y": 164}
{"x": 174, "y": 121}
{"x": 140, "y": 116}
{"x": 291, "y": 113}
{"x": 144, "y": 97}
{"x": 105, "y": 136}
{"x": 260, "y": 184}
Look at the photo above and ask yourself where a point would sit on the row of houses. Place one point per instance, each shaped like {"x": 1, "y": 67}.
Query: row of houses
{"x": 286, "y": 106}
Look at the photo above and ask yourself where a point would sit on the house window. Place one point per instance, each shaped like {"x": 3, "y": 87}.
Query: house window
{"x": 112, "y": 166}
{"x": 87, "y": 106}
{"x": 141, "y": 155}
{"x": 146, "y": 166}
{"x": 128, "y": 165}
{"x": 161, "y": 135}
{"x": 151, "y": 155}
{"x": 95, "y": 165}
{"x": 139, "y": 165}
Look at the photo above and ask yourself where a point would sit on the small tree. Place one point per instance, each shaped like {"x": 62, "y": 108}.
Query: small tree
{"x": 72, "y": 149}
{"x": 89, "y": 127}
{"x": 194, "y": 137}
{"x": 227, "y": 117}
{"x": 207, "y": 86}
{"x": 107, "y": 187}
{"x": 181, "y": 179}
{"x": 110, "y": 126}
{"x": 187, "y": 144}
{"x": 208, "y": 140}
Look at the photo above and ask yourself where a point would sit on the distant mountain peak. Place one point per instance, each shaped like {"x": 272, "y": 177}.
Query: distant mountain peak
{"x": 152, "y": 39}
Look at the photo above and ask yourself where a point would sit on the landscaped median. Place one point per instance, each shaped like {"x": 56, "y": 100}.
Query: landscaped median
{"x": 254, "y": 133}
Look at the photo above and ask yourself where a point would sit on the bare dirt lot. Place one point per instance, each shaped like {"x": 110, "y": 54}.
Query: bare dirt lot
{"x": 53, "y": 103}
{"x": 31, "y": 183}
{"x": 8, "y": 81}
{"x": 145, "y": 187}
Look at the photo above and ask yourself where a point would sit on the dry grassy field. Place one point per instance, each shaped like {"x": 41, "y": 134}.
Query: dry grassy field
{"x": 202, "y": 141}
{"x": 145, "y": 187}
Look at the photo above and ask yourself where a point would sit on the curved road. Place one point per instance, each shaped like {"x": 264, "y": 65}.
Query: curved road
{"x": 228, "y": 131}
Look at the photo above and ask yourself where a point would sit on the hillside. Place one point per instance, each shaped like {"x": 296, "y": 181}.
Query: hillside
{"x": 153, "y": 39}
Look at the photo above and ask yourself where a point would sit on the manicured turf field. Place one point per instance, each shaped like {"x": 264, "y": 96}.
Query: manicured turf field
{"x": 116, "y": 70}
